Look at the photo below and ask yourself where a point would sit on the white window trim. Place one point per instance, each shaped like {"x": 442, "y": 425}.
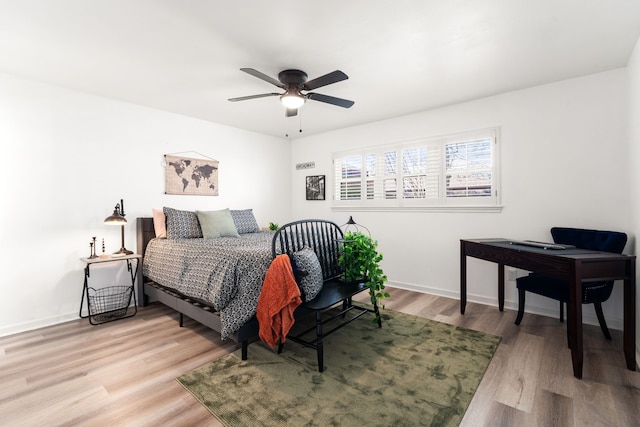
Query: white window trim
{"x": 442, "y": 204}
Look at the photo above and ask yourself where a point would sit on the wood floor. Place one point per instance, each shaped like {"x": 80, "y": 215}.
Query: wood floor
{"x": 123, "y": 373}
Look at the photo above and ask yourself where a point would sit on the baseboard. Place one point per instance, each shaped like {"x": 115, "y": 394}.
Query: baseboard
{"x": 591, "y": 320}
{"x": 615, "y": 323}
{"x": 37, "y": 324}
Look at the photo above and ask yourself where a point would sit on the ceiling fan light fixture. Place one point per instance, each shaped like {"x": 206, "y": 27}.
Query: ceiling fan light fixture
{"x": 294, "y": 83}
{"x": 292, "y": 100}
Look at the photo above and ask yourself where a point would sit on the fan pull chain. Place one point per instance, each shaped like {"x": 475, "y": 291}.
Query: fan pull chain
{"x": 286, "y": 135}
{"x": 300, "y": 120}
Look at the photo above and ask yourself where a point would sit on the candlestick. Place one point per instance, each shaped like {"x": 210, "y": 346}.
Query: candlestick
{"x": 92, "y": 245}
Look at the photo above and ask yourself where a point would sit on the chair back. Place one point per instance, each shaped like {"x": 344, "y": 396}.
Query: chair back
{"x": 324, "y": 237}
{"x": 594, "y": 240}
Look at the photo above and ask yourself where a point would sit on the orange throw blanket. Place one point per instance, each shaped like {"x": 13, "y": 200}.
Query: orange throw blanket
{"x": 279, "y": 297}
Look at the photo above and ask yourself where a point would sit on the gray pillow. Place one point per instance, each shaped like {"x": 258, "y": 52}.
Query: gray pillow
{"x": 182, "y": 224}
{"x": 245, "y": 221}
{"x": 310, "y": 282}
{"x": 216, "y": 224}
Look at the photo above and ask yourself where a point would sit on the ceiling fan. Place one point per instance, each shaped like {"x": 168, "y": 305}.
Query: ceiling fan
{"x": 294, "y": 82}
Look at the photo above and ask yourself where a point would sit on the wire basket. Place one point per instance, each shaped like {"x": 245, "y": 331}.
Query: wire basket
{"x": 109, "y": 303}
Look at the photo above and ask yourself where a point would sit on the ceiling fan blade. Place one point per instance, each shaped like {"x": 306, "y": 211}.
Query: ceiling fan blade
{"x": 291, "y": 112}
{"x": 345, "y": 103}
{"x": 262, "y": 76}
{"x": 244, "y": 98}
{"x": 327, "y": 79}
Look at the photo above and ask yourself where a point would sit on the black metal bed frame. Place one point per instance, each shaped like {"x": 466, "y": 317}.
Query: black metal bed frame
{"x": 147, "y": 290}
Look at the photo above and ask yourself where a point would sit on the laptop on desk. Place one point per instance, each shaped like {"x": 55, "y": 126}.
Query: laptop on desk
{"x": 543, "y": 245}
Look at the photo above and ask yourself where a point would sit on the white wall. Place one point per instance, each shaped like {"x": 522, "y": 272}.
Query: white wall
{"x": 564, "y": 148}
{"x": 633, "y": 70}
{"x": 68, "y": 158}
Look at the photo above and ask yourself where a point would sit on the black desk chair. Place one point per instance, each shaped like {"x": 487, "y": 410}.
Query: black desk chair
{"x": 314, "y": 247}
{"x": 592, "y": 292}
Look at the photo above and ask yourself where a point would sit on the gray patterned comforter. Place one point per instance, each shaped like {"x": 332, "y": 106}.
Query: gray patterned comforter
{"x": 226, "y": 272}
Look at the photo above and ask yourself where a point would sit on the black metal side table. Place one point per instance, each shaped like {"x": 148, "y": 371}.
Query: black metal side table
{"x": 109, "y": 303}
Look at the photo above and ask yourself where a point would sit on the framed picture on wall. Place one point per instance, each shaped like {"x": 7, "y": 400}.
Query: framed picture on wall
{"x": 188, "y": 176}
{"x": 315, "y": 187}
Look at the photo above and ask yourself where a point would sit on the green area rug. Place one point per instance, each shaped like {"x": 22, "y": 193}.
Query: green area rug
{"x": 412, "y": 372}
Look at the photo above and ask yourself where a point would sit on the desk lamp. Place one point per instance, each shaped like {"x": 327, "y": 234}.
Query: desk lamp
{"x": 117, "y": 218}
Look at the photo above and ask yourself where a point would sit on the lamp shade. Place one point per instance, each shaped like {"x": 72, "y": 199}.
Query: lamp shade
{"x": 115, "y": 219}
{"x": 352, "y": 226}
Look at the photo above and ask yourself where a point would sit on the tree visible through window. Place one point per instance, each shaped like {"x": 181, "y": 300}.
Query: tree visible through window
{"x": 469, "y": 168}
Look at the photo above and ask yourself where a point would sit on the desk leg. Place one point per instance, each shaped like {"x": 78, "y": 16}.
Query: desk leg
{"x": 463, "y": 278}
{"x": 630, "y": 318}
{"x": 501, "y": 286}
{"x": 575, "y": 324}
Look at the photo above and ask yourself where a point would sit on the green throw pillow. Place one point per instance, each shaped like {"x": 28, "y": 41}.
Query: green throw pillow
{"x": 217, "y": 224}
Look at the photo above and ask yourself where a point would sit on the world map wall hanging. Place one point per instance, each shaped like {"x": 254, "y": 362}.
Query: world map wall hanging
{"x": 190, "y": 176}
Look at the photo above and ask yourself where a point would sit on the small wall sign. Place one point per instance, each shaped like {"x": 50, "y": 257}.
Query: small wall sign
{"x": 307, "y": 165}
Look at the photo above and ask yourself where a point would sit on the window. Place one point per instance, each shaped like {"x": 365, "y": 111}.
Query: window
{"x": 451, "y": 171}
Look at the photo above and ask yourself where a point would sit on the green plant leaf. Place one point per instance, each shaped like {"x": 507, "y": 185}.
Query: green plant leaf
{"x": 359, "y": 258}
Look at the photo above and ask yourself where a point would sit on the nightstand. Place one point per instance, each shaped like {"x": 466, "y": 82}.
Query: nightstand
{"x": 109, "y": 303}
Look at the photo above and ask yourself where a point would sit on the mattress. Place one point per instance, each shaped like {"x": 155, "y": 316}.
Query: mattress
{"x": 226, "y": 273}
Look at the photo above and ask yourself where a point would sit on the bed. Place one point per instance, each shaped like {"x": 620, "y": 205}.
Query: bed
{"x": 216, "y": 281}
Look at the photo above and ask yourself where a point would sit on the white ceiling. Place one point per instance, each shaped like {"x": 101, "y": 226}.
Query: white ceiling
{"x": 401, "y": 56}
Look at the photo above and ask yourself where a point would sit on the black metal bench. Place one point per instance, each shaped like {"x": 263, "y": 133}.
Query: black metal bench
{"x": 325, "y": 238}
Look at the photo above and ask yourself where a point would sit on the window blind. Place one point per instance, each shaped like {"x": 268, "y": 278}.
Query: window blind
{"x": 450, "y": 170}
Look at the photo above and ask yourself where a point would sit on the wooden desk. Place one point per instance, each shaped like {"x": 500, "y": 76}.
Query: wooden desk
{"x": 574, "y": 265}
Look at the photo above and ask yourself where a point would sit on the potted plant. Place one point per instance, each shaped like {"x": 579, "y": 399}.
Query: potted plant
{"x": 360, "y": 260}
